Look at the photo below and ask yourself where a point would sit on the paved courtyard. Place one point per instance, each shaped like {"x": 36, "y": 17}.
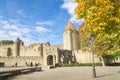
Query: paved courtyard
{"x": 72, "y": 73}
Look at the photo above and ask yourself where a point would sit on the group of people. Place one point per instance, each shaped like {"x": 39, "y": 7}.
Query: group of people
{"x": 28, "y": 64}
{"x": 31, "y": 64}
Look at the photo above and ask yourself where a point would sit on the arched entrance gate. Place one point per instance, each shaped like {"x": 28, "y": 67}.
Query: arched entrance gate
{"x": 51, "y": 60}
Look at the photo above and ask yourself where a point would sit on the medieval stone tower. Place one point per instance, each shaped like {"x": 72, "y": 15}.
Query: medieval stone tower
{"x": 18, "y": 44}
{"x": 70, "y": 37}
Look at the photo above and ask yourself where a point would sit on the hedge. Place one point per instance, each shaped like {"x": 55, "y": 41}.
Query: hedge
{"x": 82, "y": 64}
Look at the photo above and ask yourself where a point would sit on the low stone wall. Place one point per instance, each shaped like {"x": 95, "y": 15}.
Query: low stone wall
{"x": 22, "y": 61}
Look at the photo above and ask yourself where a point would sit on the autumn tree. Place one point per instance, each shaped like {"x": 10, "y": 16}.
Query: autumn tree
{"x": 33, "y": 44}
{"x": 102, "y": 18}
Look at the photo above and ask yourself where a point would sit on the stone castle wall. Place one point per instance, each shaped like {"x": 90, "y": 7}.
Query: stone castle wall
{"x": 21, "y": 61}
{"x": 31, "y": 51}
{"x": 7, "y": 50}
{"x": 36, "y": 50}
{"x": 85, "y": 57}
{"x": 37, "y": 53}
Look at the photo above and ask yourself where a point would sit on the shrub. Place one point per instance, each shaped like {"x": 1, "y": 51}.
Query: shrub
{"x": 70, "y": 65}
{"x": 82, "y": 64}
{"x": 90, "y": 64}
{"x": 113, "y": 64}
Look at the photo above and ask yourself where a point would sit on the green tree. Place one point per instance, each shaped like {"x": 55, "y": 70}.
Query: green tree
{"x": 6, "y": 42}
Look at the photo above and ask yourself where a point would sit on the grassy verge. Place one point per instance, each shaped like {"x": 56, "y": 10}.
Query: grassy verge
{"x": 82, "y": 64}
{"x": 113, "y": 64}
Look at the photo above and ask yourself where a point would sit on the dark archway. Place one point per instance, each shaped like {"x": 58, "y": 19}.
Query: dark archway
{"x": 50, "y": 60}
{"x": 9, "y": 52}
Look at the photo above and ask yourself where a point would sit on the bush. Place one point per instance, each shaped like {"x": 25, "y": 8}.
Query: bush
{"x": 70, "y": 65}
{"x": 90, "y": 64}
{"x": 113, "y": 64}
{"x": 82, "y": 64}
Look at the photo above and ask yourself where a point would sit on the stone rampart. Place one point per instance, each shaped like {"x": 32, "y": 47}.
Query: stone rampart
{"x": 21, "y": 60}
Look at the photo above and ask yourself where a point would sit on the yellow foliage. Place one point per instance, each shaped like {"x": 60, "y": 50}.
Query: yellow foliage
{"x": 76, "y": 0}
{"x": 97, "y": 29}
{"x": 102, "y": 18}
{"x": 33, "y": 44}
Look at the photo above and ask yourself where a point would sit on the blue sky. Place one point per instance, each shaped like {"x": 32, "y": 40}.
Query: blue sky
{"x": 36, "y": 20}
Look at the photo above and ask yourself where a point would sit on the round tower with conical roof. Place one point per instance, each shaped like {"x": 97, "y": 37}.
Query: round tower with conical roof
{"x": 70, "y": 37}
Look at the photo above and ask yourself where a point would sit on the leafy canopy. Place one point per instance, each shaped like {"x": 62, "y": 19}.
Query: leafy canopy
{"x": 6, "y": 42}
{"x": 102, "y": 18}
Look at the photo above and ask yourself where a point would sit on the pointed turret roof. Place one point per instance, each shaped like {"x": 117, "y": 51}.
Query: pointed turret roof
{"x": 18, "y": 39}
{"x": 69, "y": 26}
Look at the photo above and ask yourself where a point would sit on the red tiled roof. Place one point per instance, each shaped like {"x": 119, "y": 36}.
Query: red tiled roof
{"x": 69, "y": 26}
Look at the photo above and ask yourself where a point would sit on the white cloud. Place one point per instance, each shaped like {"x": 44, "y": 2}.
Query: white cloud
{"x": 48, "y": 23}
{"x": 4, "y": 35}
{"x": 70, "y": 5}
{"x": 42, "y": 30}
{"x": 10, "y": 26}
{"x": 11, "y": 29}
{"x": 3, "y": 21}
{"x": 24, "y": 30}
{"x": 2, "y": 32}
{"x": 15, "y": 34}
{"x": 40, "y": 27}
{"x": 0, "y": 16}
{"x": 27, "y": 40}
{"x": 20, "y": 12}
{"x": 14, "y": 25}
{"x": 13, "y": 21}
